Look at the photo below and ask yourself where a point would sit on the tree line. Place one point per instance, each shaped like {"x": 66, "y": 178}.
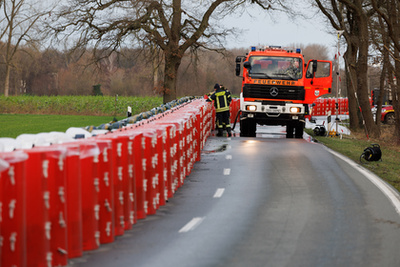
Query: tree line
{"x": 129, "y": 72}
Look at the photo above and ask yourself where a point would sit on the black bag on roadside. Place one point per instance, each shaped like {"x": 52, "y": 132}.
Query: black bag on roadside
{"x": 372, "y": 153}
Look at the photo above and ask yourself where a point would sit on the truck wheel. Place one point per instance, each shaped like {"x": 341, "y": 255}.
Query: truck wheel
{"x": 243, "y": 129}
{"x": 389, "y": 118}
{"x": 299, "y": 130}
{"x": 248, "y": 128}
{"x": 289, "y": 130}
{"x": 252, "y": 128}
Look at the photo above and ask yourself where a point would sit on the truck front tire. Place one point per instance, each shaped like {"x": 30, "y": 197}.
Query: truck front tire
{"x": 295, "y": 129}
{"x": 289, "y": 130}
{"x": 299, "y": 129}
{"x": 247, "y": 127}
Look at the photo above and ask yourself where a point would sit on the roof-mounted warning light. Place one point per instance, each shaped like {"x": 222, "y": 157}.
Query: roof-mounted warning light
{"x": 298, "y": 50}
{"x": 253, "y": 48}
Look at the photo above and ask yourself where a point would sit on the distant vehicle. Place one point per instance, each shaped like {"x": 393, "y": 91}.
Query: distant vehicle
{"x": 387, "y": 114}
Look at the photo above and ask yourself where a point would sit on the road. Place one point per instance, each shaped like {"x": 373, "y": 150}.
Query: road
{"x": 265, "y": 201}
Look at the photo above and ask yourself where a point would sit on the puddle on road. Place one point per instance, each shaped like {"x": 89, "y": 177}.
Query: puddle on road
{"x": 221, "y": 148}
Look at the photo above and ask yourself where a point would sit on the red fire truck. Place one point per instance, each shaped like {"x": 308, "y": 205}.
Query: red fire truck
{"x": 277, "y": 88}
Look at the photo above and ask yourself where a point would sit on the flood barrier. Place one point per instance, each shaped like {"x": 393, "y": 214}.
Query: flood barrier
{"x": 60, "y": 199}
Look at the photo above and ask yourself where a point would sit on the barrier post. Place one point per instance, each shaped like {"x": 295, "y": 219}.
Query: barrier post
{"x": 149, "y": 184}
{"x": 136, "y": 161}
{"x": 74, "y": 200}
{"x": 89, "y": 152}
{"x": 58, "y": 204}
{"x": 45, "y": 209}
{"x": 106, "y": 194}
{"x": 13, "y": 208}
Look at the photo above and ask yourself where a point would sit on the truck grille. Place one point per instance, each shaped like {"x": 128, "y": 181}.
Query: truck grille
{"x": 274, "y": 92}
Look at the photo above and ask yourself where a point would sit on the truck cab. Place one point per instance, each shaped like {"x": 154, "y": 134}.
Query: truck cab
{"x": 277, "y": 88}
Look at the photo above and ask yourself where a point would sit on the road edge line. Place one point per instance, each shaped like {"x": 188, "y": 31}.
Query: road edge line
{"x": 385, "y": 188}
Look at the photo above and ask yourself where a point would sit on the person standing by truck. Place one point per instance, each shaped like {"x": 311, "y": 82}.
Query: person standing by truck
{"x": 222, "y": 100}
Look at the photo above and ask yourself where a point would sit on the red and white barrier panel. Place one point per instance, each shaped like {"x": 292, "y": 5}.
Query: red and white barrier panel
{"x": 322, "y": 106}
{"x": 60, "y": 200}
{"x": 234, "y": 109}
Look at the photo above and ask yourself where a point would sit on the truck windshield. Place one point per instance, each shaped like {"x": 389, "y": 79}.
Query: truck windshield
{"x": 284, "y": 68}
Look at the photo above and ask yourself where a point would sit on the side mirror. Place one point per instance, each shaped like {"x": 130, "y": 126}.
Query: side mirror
{"x": 237, "y": 69}
{"x": 247, "y": 65}
{"x": 315, "y": 64}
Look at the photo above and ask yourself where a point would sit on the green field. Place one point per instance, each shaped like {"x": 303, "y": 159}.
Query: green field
{"x": 77, "y": 105}
{"x": 16, "y": 124}
{"x": 37, "y": 114}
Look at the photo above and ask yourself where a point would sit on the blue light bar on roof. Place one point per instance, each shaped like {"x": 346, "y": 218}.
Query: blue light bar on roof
{"x": 298, "y": 50}
{"x": 253, "y": 48}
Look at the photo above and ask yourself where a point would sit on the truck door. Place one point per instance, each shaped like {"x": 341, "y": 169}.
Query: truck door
{"x": 318, "y": 79}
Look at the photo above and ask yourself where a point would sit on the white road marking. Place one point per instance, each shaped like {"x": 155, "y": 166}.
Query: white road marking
{"x": 219, "y": 192}
{"x": 191, "y": 225}
{"x": 228, "y": 157}
{"x": 227, "y": 171}
{"x": 391, "y": 194}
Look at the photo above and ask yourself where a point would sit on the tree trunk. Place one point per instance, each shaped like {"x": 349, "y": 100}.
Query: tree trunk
{"x": 172, "y": 63}
{"x": 381, "y": 95}
{"x": 385, "y": 73}
{"x": 7, "y": 81}
{"x": 393, "y": 6}
{"x": 362, "y": 77}
{"x": 154, "y": 50}
{"x": 395, "y": 98}
{"x": 351, "y": 81}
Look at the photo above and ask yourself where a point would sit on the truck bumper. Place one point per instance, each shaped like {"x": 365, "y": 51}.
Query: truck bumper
{"x": 272, "y": 113}
{"x": 264, "y": 119}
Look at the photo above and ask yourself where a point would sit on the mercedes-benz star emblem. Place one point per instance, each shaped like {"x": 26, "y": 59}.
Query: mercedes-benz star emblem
{"x": 273, "y": 91}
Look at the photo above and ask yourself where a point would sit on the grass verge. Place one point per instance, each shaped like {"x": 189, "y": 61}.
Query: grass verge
{"x": 353, "y": 146}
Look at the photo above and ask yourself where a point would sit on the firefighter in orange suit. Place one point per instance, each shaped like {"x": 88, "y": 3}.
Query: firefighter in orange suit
{"x": 222, "y": 100}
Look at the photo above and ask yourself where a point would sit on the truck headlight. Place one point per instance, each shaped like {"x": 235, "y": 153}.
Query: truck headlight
{"x": 294, "y": 110}
{"x": 251, "y": 108}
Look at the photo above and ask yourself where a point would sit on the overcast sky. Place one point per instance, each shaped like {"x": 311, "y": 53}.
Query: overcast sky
{"x": 259, "y": 28}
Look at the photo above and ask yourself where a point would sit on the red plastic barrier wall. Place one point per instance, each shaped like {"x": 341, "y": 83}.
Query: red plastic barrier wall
{"x": 58, "y": 201}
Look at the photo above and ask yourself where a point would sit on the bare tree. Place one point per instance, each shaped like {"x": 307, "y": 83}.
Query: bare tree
{"x": 389, "y": 11}
{"x": 173, "y": 26}
{"x": 20, "y": 17}
{"x": 381, "y": 41}
{"x": 352, "y": 16}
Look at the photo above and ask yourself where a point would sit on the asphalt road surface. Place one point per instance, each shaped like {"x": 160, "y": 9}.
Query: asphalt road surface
{"x": 265, "y": 201}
